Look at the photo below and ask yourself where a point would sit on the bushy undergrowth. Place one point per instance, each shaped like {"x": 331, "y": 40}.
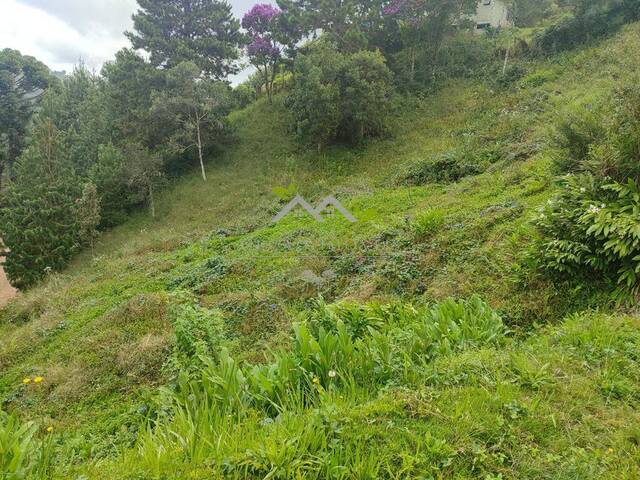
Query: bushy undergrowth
{"x": 342, "y": 350}
{"x": 591, "y": 225}
{"x": 591, "y": 20}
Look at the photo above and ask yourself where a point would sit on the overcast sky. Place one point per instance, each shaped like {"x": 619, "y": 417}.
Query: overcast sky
{"x": 60, "y": 32}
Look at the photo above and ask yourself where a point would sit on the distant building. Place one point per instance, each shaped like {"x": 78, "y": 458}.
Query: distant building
{"x": 491, "y": 14}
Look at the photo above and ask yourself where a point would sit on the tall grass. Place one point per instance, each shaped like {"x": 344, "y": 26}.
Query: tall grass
{"x": 276, "y": 420}
{"x": 23, "y": 454}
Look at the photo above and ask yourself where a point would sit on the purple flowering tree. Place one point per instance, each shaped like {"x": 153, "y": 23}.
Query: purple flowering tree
{"x": 263, "y": 50}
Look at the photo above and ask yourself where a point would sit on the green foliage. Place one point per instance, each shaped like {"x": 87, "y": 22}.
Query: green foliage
{"x": 199, "y": 332}
{"x": 447, "y": 167}
{"x": 428, "y": 222}
{"x": 592, "y": 224}
{"x": 338, "y": 96}
{"x": 88, "y": 214}
{"x": 591, "y": 19}
{"x": 23, "y": 80}
{"x": 22, "y": 454}
{"x": 200, "y": 31}
{"x": 37, "y": 219}
{"x": 192, "y": 111}
{"x": 200, "y": 276}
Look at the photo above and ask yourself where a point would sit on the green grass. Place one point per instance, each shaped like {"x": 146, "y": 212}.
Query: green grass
{"x": 553, "y": 400}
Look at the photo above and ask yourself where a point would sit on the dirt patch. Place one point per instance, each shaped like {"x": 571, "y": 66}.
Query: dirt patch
{"x": 7, "y": 292}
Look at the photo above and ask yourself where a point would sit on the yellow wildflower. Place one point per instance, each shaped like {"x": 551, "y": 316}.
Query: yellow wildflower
{"x": 38, "y": 380}
{"x": 49, "y": 429}
{"x": 26, "y": 380}
{"x": 316, "y": 380}
{"x": 610, "y": 450}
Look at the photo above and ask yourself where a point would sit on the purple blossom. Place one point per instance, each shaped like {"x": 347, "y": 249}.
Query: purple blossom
{"x": 258, "y": 19}
{"x": 394, "y": 8}
{"x": 263, "y": 46}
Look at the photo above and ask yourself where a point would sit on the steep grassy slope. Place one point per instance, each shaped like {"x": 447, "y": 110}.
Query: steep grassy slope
{"x": 101, "y": 332}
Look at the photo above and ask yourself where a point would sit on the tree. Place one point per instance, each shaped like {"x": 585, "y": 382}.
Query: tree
{"x": 144, "y": 174}
{"x": 201, "y": 31}
{"x": 88, "y": 214}
{"x": 128, "y": 85}
{"x": 197, "y": 108}
{"x": 424, "y": 23}
{"x": 339, "y": 96}
{"x": 264, "y": 52}
{"x": 37, "y": 218}
{"x": 526, "y": 13}
{"x": 23, "y": 80}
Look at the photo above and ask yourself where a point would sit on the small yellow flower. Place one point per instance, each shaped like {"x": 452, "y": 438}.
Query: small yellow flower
{"x": 610, "y": 450}
{"x": 316, "y": 380}
{"x": 49, "y": 429}
{"x": 38, "y": 380}
{"x": 26, "y": 380}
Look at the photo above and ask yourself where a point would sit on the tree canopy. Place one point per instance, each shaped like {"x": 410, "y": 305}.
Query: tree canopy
{"x": 201, "y": 31}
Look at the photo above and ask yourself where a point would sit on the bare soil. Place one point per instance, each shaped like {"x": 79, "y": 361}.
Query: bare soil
{"x": 7, "y": 292}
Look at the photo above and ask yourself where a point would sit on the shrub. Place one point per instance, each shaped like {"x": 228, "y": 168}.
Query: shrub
{"x": 339, "y": 96}
{"x": 428, "y": 222}
{"x": 592, "y": 19}
{"x": 450, "y": 166}
{"x": 199, "y": 332}
{"x": 592, "y": 226}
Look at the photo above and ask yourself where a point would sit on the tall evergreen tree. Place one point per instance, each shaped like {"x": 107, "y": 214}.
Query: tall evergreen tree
{"x": 201, "y": 31}
{"x": 23, "y": 80}
{"x": 37, "y": 218}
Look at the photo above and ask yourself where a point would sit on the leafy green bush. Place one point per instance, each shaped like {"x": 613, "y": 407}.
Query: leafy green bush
{"x": 341, "y": 344}
{"x": 199, "y": 276}
{"x": 593, "y": 226}
{"x": 339, "y": 96}
{"x": 199, "y": 332}
{"x": 448, "y": 167}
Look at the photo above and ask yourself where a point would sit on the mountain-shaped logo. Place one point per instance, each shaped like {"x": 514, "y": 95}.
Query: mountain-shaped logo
{"x": 314, "y": 212}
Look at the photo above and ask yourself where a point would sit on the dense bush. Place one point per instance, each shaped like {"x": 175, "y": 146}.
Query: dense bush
{"x": 339, "y": 96}
{"x": 448, "y": 167}
{"x": 592, "y": 226}
{"x": 591, "y": 19}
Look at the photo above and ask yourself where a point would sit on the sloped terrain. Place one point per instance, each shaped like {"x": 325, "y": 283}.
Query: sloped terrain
{"x": 444, "y": 208}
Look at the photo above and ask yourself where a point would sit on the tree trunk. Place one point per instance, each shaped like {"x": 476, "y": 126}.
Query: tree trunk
{"x": 204, "y": 174}
{"x": 152, "y": 203}
{"x": 506, "y": 59}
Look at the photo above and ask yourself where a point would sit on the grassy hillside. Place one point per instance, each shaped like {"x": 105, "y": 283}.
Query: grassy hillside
{"x": 552, "y": 400}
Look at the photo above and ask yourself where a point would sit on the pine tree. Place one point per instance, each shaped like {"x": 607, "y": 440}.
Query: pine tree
{"x": 88, "y": 214}
{"x": 201, "y": 31}
{"x": 37, "y": 221}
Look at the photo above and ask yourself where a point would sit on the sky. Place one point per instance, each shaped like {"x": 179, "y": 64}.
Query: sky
{"x": 59, "y": 33}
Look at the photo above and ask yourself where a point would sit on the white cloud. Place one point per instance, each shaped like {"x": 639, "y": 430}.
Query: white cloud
{"x": 61, "y": 32}
{"x": 51, "y": 40}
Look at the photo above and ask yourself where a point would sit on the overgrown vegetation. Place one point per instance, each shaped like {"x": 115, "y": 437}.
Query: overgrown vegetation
{"x": 591, "y": 226}
{"x": 205, "y": 341}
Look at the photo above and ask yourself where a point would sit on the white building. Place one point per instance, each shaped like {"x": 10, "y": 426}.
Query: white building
{"x": 491, "y": 13}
